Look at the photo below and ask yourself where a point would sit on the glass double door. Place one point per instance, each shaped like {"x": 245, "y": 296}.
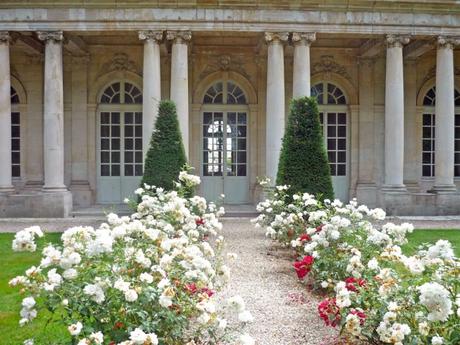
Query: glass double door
{"x": 120, "y": 157}
{"x": 224, "y": 164}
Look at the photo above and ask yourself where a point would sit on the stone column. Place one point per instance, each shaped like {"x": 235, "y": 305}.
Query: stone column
{"x": 275, "y": 109}
{"x": 6, "y": 185}
{"x": 301, "y": 75}
{"x": 394, "y": 114}
{"x": 179, "y": 80}
{"x": 152, "y": 83}
{"x": 53, "y": 134}
{"x": 445, "y": 115}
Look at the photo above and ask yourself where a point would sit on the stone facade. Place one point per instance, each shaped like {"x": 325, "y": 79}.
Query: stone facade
{"x": 380, "y": 67}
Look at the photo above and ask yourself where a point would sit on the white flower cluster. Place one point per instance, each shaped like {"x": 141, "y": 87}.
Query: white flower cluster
{"x": 24, "y": 240}
{"x": 156, "y": 267}
{"x": 378, "y": 293}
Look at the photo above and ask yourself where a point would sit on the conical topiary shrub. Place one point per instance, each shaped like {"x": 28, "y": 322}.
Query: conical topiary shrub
{"x": 166, "y": 155}
{"x": 303, "y": 161}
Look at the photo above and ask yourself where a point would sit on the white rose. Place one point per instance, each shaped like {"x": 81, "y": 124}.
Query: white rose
{"x": 75, "y": 329}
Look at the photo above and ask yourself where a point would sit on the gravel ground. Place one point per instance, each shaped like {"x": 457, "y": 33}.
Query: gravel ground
{"x": 284, "y": 311}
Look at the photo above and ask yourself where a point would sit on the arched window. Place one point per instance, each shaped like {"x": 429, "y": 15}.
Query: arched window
{"x": 428, "y": 133}
{"x": 224, "y": 93}
{"x": 334, "y": 95}
{"x": 121, "y": 93}
{"x": 333, "y": 116}
{"x": 15, "y": 135}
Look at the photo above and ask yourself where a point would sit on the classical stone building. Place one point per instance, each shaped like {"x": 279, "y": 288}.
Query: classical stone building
{"x": 80, "y": 82}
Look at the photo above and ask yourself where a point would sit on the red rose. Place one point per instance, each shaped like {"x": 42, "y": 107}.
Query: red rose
{"x": 208, "y": 291}
{"x": 303, "y": 267}
{"x": 305, "y": 238}
{"x": 360, "y": 314}
{"x": 329, "y": 312}
{"x": 191, "y": 287}
{"x": 199, "y": 221}
{"x": 319, "y": 228}
{"x": 352, "y": 283}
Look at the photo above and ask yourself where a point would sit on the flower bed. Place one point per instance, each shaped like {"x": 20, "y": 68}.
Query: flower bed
{"x": 151, "y": 278}
{"x": 375, "y": 292}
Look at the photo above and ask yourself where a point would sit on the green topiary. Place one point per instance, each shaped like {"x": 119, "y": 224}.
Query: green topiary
{"x": 303, "y": 161}
{"x": 166, "y": 155}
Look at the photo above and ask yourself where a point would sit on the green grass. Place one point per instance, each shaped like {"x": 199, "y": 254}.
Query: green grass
{"x": 421, "y": 236}
{"x": 13, "y": 264}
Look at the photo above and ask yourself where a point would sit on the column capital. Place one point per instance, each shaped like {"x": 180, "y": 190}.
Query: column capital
{"x": 447, "y": 42}
{"x": 154, "y": 35}
{"x": 56, "y": 36}
{"x": 303, "y": 38}
{"x": 179, "y": 36}
{"x": 5, "y": 37}
{"x": 393, "y": 40}
{"x": 276, "y": 37}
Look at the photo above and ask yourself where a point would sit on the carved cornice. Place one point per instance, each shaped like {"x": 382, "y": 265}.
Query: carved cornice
{"x": 328, "y": 65}
{"x": 276, "y": 37}
{"x": 397, "y": 40}
{"x": 224, "y": 63}
{"x": 303, "y": 38}
{"x": 146, "y": 35}
{"x": 56, "y": 36}
{"x": 179, "y": 36}
{"x": 5, "y": 37}
{"x": 447, "y": 42}
{"x": 120, "y": 62}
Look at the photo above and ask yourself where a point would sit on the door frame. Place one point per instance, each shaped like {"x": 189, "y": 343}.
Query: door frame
{"x": 225, "y": 109}
{"x": 122, "y": 109}
{"x": 339, "y": 108}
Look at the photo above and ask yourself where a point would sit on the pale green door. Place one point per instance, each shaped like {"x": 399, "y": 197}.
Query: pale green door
{"x": 224, "y": 163}
{"x": 119, "y": 155}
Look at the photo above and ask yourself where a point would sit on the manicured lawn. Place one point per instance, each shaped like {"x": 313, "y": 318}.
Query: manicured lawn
{"x": 421, "y": 236}
{"x": 13, "y": 264}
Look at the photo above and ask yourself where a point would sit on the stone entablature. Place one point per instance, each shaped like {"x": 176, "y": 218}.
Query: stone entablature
{"x": 231, "y": 19}
{"x": 442, "y": 6}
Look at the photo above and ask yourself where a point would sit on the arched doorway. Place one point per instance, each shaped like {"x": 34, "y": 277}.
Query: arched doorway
{"x": 119, "y": 142}
{"x": 428, "y": 134}
{"x": 224, "y": 144}
{"x": 333, "y": 111}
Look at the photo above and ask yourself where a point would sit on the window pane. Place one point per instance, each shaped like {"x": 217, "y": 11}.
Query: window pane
{"x": 138, "y": 170}
{"x": 105, "y": 170}
{"x": 105, "y": 131}
{"x": 341, "y": 169}
{"x": 115, "y": 157}
{"x": 341, "y": 157}
{"x": 116, "y": 118}
{"x": 241, "y": 170}
{"x": 115, "y": 144}
{"x": 129, "y": 157}
{"x": 342, "y": 131}
{"x": 341, "y": 144}
{"x": 129, "y": 131}
{"x": 16, "y": 171}
{"x": 129, "y": 170}
{"x": 331, "y": 144}
{"x": 129, "y": 144}
{"x": 115, "y": 131}
{"x": 241, "y": 156}
{"x": 116, "y": 170}
{"x": 15, "y": 144}
{"x": 15, "y": 118}
{"x": 331, "y": 131}
{"x": 15, "y": 159}
{"x": 105, "y": 157}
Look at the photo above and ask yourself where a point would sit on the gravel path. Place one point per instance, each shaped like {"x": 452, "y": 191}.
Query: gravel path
{"x": 284, "y": 311}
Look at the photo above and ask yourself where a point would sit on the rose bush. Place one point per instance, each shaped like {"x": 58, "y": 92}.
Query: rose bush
{"x": 151, "y": 278}
{"x": 376, "y": 293}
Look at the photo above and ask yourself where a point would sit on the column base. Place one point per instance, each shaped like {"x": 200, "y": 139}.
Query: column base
{"x": 54, "y": 189}
{"x": 36, "y": 205}
{"x": 394, "y": 188}
{"x": 7, "y": 190}
{"x": 81, "y": 193}
{"x": 444, "y": 188}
